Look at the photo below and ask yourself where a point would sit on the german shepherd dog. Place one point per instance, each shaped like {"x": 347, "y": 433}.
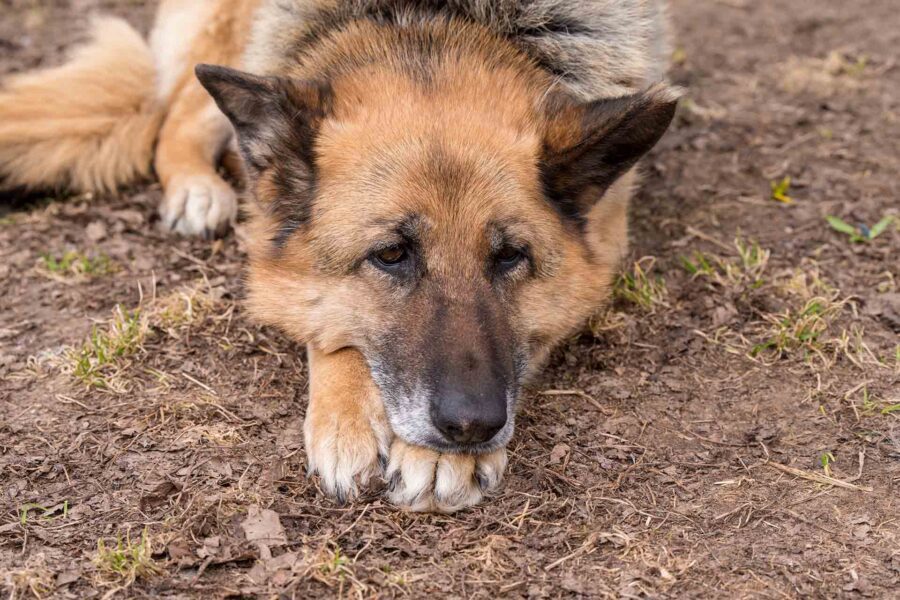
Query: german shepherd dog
{"x": 437, "y": 193}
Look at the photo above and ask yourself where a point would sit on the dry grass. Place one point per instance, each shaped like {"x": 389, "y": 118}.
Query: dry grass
{"x": 809, "y": 323}
{"x": 33, "y": 580}
{"x": 100, "y": 362}
{"x": 746, "y": 269}
{"x": 335, "y": 569}
{"x": 640, "y": 286}
{"x": 642, "y": 461}
{"x": 126, "y": 561}
{"x": 800, "y": 330}
{"x": 184, "y": 308}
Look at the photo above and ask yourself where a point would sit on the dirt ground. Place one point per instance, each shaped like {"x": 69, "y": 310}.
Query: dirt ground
{"x": 729, "y": 427}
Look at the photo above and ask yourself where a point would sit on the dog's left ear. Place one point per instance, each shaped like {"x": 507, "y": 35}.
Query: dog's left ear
{"x": 274, "y": 117}
{"x": 588, "y": 146}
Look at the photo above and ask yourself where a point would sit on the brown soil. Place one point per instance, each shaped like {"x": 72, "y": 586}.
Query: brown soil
{"x": 684, "y": 464}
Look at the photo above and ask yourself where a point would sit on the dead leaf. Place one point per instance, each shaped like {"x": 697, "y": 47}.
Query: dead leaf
{"x": 558, "y": 453}
{"x": 257, "y": 574}
{"x": 283, "y": 561}
{"x": 210, "y": 547}
{"x": 571, "y": 584}
{"x": 723, "y": 314}
{"x": 263, "y": 527}
{"x": 68, "y": 576}
{"x": 291, "y": 437}
{"x": 132, "y": 217}
{"x": 179, "y": 550}
{"x": 158, "y": 496}
{"x": 887, "y": 308}
{"x": 95, "y": 231}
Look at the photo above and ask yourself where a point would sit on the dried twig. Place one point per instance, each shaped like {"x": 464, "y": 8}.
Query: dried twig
{"x": 825, "y": 479}
{"x": 706, "y": 237}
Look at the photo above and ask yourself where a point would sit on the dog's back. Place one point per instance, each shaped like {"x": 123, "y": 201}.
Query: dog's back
{"x": 108, "y": 126}
{"x": 597, "y": 48}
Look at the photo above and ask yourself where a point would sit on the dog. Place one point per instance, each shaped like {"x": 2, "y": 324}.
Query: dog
{"x": 437, "y": 193}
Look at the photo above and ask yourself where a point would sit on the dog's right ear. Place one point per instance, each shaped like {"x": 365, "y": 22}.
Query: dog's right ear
{"x": 588, "y": 146}
{"x": 273, "y": 117}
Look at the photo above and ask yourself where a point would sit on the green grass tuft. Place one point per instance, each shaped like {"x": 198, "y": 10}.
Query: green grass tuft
{"x": 798, "y": 330}
{"x": 746, "y": 269}
{"x": 122, "y": 336}
{"x": 127, "y": 561}
{"x": 640, "y": 287}
{"x": 826, "y": 459}
{"x": 75, "y": 264}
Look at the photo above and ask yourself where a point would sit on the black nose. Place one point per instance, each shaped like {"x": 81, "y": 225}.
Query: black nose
{"x": 469, "y": 418}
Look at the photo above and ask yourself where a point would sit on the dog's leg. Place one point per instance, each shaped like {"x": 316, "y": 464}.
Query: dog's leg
{"x": 197, "y": 200}
{"x": 195, "y": 133}
{"x": 423, "y": 480}
{"x": 347, "y": 433}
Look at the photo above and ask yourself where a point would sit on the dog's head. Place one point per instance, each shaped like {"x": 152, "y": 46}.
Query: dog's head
{"x": 451, "y": 229}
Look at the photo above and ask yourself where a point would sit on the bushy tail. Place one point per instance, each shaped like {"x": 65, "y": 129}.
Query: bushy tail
{"x": 88, "y": 125}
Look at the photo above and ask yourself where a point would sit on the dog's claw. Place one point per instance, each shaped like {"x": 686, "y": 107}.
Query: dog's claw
{"x": 393, "y": 481}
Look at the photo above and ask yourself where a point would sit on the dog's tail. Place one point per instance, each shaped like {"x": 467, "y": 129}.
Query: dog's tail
{"x": 88, "y": 125}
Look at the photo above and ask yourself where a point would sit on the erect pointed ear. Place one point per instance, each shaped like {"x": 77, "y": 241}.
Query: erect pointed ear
{"x": 588, "y": 146}
{"x": 272, "y": 116}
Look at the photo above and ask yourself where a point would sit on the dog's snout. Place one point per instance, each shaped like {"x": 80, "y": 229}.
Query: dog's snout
{"x": 470, "y": 416}
{"x": 470, "y": 375}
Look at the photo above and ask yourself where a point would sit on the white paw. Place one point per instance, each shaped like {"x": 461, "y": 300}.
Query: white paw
{"x": 199, "y": 205}
{"x": 423, "y": 480}
{"x": 345, "y": 451}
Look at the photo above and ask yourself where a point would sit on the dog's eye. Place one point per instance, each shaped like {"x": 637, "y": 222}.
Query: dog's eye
{"x": 391, "y": 256}
{"x": 508, "y": 257}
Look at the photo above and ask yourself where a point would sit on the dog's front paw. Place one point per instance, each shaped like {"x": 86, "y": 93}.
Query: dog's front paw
{"x": 345, "y": 451}
{"x": 423, "y": 480}
{"x": 202, "y": 205}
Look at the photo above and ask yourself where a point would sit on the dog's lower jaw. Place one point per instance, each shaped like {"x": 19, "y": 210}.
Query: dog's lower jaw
{"x": 424, "y": 480}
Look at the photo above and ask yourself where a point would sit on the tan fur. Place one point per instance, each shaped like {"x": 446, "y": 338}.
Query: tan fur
{"x": 346, "y": 430}
{"x": 480, "y": 114}
{"x": 124, "y": 110}
{"x": 449, "y": 120}
{"x": 195, "y": 134}
{"x": 88, "y": 125}
{"x": 491, "y": 121}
